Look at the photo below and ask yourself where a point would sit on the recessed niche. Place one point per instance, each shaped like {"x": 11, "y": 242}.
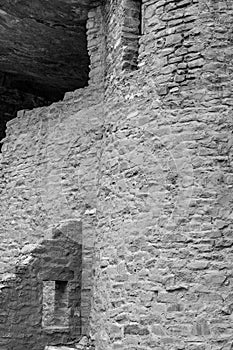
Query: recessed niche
{"x": 55, "y": 304}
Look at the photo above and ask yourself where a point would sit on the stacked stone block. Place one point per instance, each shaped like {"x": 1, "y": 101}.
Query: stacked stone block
{"x": 171, "y": 42}
{"x": 122, "y": 28}
{"x": 163, "y": 277}
{"x": 22, "y": 297}
{"x": 96, "y": 46}
{"x": 53, "y": 164}
{"x": 165, "y": 281}
{"x": 147, "y": 169}
{"x": 186, "y": 50}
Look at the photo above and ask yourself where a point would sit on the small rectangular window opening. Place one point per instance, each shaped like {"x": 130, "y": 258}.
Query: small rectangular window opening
{"x": 55, "y": 304}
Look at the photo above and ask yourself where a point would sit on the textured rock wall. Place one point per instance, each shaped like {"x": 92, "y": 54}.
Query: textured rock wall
{"x": 49, "y": 175}
{"x": 163, "y": 271}
{"x": 96, "y": 46}
{"x": 166, "y": 203}
{"x": 122, "y": 28}
{"x": 189, "y": 45}
{"x": 22, "y": 297}
{"x": 149, "y": 171}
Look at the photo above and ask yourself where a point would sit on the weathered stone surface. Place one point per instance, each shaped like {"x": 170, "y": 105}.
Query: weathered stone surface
{"x": 83, "y": 344}
{"x": 146, "y": 165}
{"x": 44, "y": 54}
{"x": 28, "y": 321}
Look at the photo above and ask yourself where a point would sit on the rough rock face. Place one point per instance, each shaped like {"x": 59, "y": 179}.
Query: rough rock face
{"x": 43, "y": 43}
{"x": 144, "y": 168}
{"x": 83, "y": 344}
{"x": 43, "y": 53}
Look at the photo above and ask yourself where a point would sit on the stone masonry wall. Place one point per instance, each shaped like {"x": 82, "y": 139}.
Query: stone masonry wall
{"x": 163, "y": 275}
{"x": 22, "y": 303}
{"x": 147, "y": 171}
{"x": 163, "y": 280}
{"x": 122, "y": 28}
{"x": 49, "y": 178}
{"x": 49, "y": 173}
{"x": 186, "y": 51}
{"x": 96, "y": 46}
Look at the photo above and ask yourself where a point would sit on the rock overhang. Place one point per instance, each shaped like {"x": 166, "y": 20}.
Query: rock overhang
{"x": 43, "y": 47}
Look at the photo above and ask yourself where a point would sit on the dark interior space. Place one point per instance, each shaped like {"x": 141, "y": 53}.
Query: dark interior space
{"x": 43, "y": 53}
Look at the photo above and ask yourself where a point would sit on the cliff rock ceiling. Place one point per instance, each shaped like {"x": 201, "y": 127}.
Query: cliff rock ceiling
{"x": 43, "y": 45}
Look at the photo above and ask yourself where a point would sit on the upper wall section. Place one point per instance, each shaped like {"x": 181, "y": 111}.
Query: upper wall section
{"x": 122, "y": 28}
{"x": 112, "y": 34}
{"x": 186, "y": 49}
{"x": 182, "y": 49}
{"x": 96, "y": 46}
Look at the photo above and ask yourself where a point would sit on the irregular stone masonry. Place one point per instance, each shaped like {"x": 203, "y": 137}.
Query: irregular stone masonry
{"x": 148, "y": 172}
{"x": 96, "y": 47}
{"x": 186, "y": 50}
{"x": 122, "y": 28}
{"x": 83, "y": 344}
{"x": 23, "y": 302}
{"x": 171, "y": 30}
